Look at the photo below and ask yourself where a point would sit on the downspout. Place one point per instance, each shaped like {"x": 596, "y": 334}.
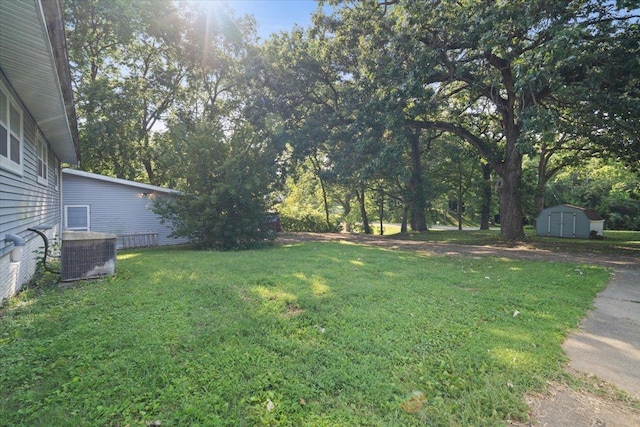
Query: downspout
{"x": 15, "y": 239}
{"x": 46, "y": 250}
{"x": 18, "y": 243}
{"x": 61, "y": 204}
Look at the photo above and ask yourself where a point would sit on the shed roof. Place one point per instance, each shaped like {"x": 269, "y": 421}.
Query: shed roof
{"x": 34, "y": 59}
{"x": 120, "y": 181}
{"x": 590, "y": 213}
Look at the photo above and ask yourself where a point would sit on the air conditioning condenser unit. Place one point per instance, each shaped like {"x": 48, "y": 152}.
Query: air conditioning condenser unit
{"x": 87, "y": 255}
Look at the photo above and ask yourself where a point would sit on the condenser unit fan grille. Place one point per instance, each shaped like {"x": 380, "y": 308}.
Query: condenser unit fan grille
{"x": 87, "y": 255}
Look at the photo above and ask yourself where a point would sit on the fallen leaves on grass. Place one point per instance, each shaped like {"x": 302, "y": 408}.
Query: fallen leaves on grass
{"x": 413, "y": 403}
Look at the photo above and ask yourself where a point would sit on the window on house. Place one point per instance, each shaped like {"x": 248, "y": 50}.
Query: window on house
{"x": 76, "y": 217}
{"x": 56, "y": 171}
{"x": 42, "y": 154}
{"x": 10, "y": 133}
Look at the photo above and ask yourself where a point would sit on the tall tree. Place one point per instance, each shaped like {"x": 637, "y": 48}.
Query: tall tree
{"x": 305, "y": 90}
{"x": 555, "y": 155}
{"x": 458, "y": 168}
{"x": 226, "y": 195}
{"x": 225, "y": 152}
{"x": 127, "y": 71}
{"x": 316, "y": 92}
{"x": 458, "y": 64}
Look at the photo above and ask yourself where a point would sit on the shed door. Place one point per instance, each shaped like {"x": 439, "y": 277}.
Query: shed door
{"x": 555, "y": 227}
{"x": 562, "y": 224}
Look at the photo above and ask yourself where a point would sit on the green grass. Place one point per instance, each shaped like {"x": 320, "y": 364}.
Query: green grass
{"x": 388, "y": 228}
{"x": 317, "y": 334}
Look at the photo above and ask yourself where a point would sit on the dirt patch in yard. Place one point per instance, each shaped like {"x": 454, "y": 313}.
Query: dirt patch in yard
{"x": 563, "y": 406}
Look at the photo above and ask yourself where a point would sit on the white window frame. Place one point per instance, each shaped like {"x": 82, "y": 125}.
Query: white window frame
{"x": 56, "y": 174}
{"x": 42, "y": 158}
{"x": 66, "y": 218}
{"x": 6, "y": 162}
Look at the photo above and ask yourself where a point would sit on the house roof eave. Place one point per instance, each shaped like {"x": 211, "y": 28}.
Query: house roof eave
{"x": 120, "y": 181}
{"x": 33, "y": 58}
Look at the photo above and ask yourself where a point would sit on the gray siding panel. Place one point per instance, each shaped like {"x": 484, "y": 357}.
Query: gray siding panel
{"x": 25, "y": 203}
{"x": 115, "y": 208}
{"x": 583, "y": 226}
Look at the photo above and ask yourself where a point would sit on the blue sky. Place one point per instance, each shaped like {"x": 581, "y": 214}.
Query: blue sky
{"x": 276, "y": 15}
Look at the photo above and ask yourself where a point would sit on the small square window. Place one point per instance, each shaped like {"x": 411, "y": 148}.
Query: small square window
{"x": 77, "y": 217}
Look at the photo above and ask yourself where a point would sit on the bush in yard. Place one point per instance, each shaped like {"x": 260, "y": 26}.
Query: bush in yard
{"x": 224, "y": 220}
{"x": 315, "y": 223}
{"x": 225, "y": 199}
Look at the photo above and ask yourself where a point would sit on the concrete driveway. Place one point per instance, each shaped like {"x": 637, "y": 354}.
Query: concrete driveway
{"x": 607, "y": 343}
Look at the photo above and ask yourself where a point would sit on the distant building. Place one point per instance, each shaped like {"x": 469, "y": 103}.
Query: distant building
{"x": 570, "y": 221}
{"x": 93, "y": 202}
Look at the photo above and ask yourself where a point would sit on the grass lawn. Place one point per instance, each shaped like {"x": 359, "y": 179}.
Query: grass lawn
{"x": 316, "y": 334}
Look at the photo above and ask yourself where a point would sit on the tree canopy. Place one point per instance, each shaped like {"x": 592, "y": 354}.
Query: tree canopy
{"x": 492, "y": 72}
{"x": 392, "y": 103}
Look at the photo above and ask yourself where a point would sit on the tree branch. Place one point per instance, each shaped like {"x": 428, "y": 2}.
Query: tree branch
{"x": 477, "y": 142}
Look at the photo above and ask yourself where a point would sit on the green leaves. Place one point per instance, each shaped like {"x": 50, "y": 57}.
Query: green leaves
{"x": 226, "y": 194}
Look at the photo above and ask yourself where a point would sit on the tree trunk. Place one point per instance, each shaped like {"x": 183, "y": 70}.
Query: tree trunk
{"x": 486, "y": 197}
{"x": 511, "y": 215}
{"x": 381, "y": 209}
{"x": 325, "y": 202}
{"x": 539, "y": 200}
{"x": 405, "y": 215}
{"x": 510, "y": 170}
{"x": 459, "y": 196}
{"x": 316, "y": 166}
{"x": 148, "y": 167}
{"x": 542, "y": 179}
{"x": 416, "y": 186}
{"x": 544, "y": 176}
{"x": 346, "y": 210}
{"x": 363, "y": 211}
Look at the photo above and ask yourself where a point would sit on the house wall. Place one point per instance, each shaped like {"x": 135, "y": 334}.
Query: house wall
{"x": 26, "y": 203}
{"x": 116, "y": 208}
{"x": 561, "y": 221}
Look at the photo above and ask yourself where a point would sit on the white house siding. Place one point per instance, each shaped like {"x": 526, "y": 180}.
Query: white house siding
{"x": 116, "y": 207}
{"x": 25, "y": 203}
